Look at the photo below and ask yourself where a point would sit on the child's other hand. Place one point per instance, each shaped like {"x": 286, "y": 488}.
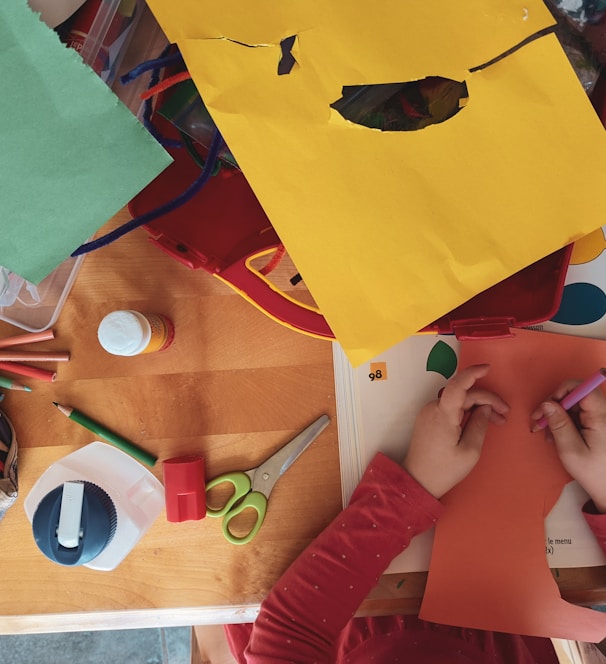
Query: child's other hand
{"x": 580, "y": 438}
{"x": 449, "y": 433}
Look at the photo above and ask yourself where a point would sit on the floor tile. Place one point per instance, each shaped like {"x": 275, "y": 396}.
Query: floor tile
{"x": 136, "y": 646}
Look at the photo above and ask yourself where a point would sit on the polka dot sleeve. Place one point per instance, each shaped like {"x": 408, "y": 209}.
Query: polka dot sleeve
{"x": 315, "y": 598}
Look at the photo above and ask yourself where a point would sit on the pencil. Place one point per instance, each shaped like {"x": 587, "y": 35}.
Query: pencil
{"x": 30, "y": 372}
{"x": 28, "y": 338}
{"x": 34, "y": 355}
{"x": 580, "y": 392}
{"x": 111, "y": 437}
{"x": 10, "y": 384}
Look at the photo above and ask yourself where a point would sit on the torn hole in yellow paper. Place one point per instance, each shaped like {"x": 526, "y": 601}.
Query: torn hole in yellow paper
{"x": 402, "y": 106}
{"x": 287, "y": 60}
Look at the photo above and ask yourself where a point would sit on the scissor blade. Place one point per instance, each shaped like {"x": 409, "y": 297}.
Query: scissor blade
{"x": 269, "y": 473}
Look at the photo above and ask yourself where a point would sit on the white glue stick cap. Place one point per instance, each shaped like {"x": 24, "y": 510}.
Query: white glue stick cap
{"x": 124, "y": 333}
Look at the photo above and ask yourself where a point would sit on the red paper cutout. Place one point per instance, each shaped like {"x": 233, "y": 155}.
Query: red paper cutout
{"x": 488, "y": 568}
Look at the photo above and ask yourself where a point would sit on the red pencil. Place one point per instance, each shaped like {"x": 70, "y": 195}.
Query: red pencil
{"x": 30, "y": 372}
{"x": 28, "y": 338}
{"x": 13, "y": 355}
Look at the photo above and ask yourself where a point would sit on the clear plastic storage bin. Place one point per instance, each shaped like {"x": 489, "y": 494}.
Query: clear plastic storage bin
{"x": 36, "y": 307}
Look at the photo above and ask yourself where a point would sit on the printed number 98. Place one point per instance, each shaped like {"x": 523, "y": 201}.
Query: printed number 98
{"x": 378, "y": 371}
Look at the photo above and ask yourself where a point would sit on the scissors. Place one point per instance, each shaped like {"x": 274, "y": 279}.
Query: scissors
{"x": 252, "y": 487}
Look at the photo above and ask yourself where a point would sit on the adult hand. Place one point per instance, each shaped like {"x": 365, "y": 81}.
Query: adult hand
{"x": 449, "y": 433}
{"x": 580, "y": 438}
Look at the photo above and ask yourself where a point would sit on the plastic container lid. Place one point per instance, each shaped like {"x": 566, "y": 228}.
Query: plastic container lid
{"x": 74, "y": 523}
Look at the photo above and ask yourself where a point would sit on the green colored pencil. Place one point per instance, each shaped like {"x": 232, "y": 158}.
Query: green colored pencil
{"x": 111, "y": 437}
{"x": 10, "y": 384}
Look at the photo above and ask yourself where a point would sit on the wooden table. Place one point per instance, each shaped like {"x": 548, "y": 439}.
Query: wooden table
{"x": 234, "y": 387}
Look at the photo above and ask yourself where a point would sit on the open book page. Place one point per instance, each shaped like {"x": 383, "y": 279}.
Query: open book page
{"x": 377, "y": 404}
{"x": 582, "y": 310}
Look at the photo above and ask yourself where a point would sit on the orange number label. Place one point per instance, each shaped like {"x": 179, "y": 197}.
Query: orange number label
{"x": 378, "y": 371}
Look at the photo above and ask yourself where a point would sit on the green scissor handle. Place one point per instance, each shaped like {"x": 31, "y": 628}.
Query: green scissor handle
{"x": 242, "y": 485}
{"x": 242, "y": 498}
{"x": 254, "y": 500}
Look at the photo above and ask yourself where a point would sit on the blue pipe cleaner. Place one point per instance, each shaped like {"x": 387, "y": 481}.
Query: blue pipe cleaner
{"x": 155, "y": 66}
{"x": 178, "y": 201}
{"x": 148, "y": 106}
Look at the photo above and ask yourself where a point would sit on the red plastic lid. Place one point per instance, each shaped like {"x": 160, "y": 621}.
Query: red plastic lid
{"x": 184, "y": 488}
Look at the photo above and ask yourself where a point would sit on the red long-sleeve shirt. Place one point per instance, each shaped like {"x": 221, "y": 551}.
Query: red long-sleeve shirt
{"x": 308, "y": 615}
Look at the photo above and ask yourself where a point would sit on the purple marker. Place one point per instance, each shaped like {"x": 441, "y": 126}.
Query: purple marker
{"x": 580, "y": 392}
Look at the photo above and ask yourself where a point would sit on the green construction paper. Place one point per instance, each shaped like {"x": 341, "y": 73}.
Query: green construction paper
{"x": 72, "y": 154}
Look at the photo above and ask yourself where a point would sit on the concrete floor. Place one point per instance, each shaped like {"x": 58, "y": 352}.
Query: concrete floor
{"x": 133, "y": 646}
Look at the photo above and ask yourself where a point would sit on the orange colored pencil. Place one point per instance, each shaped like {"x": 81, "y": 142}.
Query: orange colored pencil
{"x": 28, "y": 338}
{"x": 29, "y": 372}
{"x": 34, "y": 356}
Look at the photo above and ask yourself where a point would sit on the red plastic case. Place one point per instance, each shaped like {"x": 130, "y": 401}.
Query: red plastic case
{"x": 526, "y": 298}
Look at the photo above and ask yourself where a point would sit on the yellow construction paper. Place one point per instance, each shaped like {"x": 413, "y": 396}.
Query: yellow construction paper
{"x": 392, "y": 230}
{"x": 435, "y": 34}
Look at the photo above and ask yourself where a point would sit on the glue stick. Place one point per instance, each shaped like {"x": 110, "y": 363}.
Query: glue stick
{"x": 134, "y": 333}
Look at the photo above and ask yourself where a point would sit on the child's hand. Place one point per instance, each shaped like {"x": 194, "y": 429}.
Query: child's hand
{"x": 449, "y": 433}
{"x": 581, "y": 445}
